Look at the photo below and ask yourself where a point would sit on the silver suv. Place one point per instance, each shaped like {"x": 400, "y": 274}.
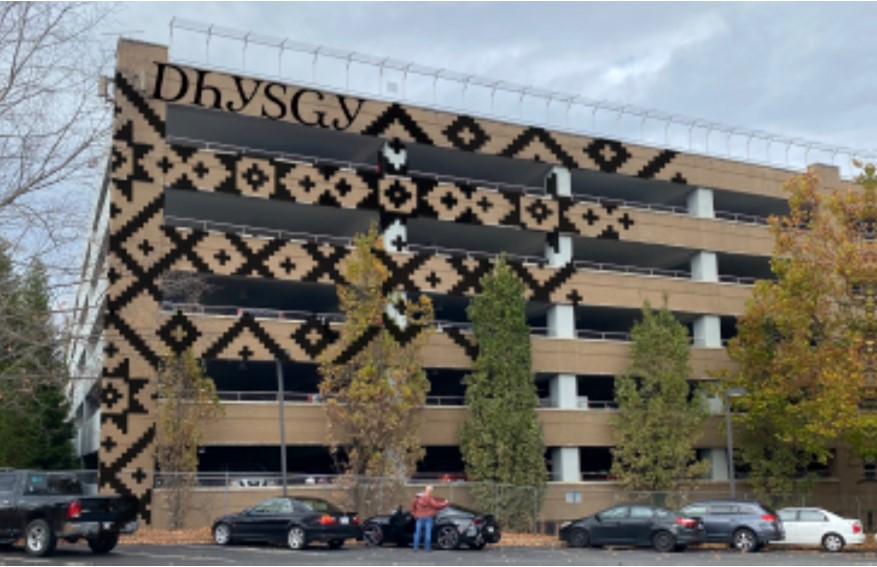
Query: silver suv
{"x": 744, "y": 524}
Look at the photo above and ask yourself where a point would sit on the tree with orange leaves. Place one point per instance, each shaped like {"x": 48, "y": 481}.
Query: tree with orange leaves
{"x": 806, "y": 342}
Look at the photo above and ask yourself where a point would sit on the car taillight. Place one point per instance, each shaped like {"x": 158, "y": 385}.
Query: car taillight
{"x": 857, "y": 527}
{"x": 356, "y": 520}
{"x": 477, "y": 521}
{"x": 686, "y": 522}
{"x": 327, "y": 520}
{"x": 74, "y": 509}
{"x": 768, "y": 518}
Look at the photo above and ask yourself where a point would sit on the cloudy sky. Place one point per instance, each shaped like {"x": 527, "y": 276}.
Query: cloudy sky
{"x": 799, "y": 70}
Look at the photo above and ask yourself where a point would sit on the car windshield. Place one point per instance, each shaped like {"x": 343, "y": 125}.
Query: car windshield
{"x": 318, "y": 505}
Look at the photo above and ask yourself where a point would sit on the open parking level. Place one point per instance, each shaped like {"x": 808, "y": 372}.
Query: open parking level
{"x": 360, "y": 555}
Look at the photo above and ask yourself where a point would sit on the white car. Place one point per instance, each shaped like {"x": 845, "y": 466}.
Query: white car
{"x": 815, "y": 526}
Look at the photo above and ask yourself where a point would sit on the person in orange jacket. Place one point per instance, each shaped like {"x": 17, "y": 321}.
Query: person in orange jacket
{"x": 424, "y": 508}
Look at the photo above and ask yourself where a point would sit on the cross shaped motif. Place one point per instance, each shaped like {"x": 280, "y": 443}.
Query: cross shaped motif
{"x": 314, "y": 336}
{"x": 343, "y": 187}
{"x": 626, "y": 221}
{"x": 608, "y": 153}
{"x": 139, "y": 475}
{"x": 433, "y": 280}
{"x": 179, "y": 334}
{"x": 466, "y": 135}
{"x": 484, "y": 204}
{"x": 574, "y": 297}
{"x": 398, "y": 243}
{"x": 108, "y": 444}
{"x": 200, "y": 170}
{"x": 307, "y": 184}
{"x": 165, "y": 165}
{"x": 245, "y": 353}
{"x": 111, "y": 349}
{"x": 591, "y": 217}
{"x": 146, "y": 247}
{"x": 222, "y": 257}
{"x": 448, "y": 200}
{"x": 287, "y": 265}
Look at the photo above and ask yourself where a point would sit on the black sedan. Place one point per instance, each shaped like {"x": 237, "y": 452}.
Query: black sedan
{"x": 453, "y": 526}
{"x": 293, "y": 521}
{"x": 634, "y": 524}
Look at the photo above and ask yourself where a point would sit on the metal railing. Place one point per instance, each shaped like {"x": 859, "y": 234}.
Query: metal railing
{"x": 313, "y": 397}
{"x": 261, "y": 231}
{"x": 261, "y": 312}
{"x": 693, "y": 135}
{"x": 440, "y": 325}
{"x": 477, "y": 254}
{"x": 660, "y": 272}
{"x": 246, "y": 230}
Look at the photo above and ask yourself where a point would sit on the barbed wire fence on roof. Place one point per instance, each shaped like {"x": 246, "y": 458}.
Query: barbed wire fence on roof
{"x": 388, "y": 79}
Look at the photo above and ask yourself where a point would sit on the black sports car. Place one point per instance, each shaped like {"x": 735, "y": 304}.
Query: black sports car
{"x": 293, "y": 521}
{"x": 453, "y": 526}
{"x": 634, "y": 524}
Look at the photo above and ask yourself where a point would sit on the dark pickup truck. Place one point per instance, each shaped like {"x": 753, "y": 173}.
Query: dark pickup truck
{"x": 41, "y": 507}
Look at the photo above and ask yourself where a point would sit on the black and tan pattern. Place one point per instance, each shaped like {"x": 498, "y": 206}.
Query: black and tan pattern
{"x": 137, "y": 258}
{"x": 142, "y": 250}
{"x": 393, "y": 196}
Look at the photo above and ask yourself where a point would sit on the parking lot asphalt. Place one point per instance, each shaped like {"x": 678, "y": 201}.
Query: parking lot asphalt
{"x": 203, "y": 554}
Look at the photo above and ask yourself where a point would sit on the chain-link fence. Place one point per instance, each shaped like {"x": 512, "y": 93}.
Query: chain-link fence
{"x": 527, "y": 508}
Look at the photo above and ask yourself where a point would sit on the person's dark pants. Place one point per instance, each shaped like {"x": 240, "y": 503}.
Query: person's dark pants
{"x": 426, "y": 525}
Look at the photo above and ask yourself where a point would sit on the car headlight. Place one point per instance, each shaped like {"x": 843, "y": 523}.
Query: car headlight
{"x": 565, "y": 525}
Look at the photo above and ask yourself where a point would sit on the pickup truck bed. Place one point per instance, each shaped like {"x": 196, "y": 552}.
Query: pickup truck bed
{"x": 42, "y": 507}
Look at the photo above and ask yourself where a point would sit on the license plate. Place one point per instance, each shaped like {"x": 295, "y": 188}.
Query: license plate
{"x": 345, "y": 520}
{"x": 490, "y": 529}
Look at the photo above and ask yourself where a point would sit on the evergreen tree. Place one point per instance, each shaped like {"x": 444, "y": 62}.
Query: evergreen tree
{"x": 501, "y": 440}
{"x": 35, "y": 430}
{"x": 658, "y": 418}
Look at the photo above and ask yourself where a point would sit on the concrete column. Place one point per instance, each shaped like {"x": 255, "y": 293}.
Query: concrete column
{"x": 700, "y": 203}
{"x": 563, "y": 388}
{"x": 718, "y": 459}
{"x": 705, "y": 267}
{"x": 565, "y": 464}
{"x": 563, "y": 391}
{"x": 708, "y": 331}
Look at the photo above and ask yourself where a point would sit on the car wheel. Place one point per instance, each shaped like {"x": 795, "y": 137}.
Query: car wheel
{"x": 833, "y": 543}
{"x": 373, "y": 535}
{"x": 222, "y": 534}
{"x": 447, "y": 538}
{"x": 296, "y": 538}
{"x": 745, "y": 540}
{"x": 579, "y": 538}
{"x": 663, "y": 541}
{"x": 335, "y": 543}
{"x": 39, "y": 539}
{"x": 104, "y": 543}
